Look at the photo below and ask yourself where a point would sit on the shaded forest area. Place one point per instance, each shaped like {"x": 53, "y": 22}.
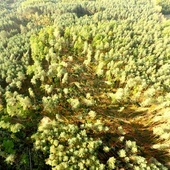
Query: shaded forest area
{"x": 84, "y": 85}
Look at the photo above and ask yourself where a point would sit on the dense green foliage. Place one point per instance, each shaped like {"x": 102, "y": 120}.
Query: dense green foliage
{"x": 165, "y": 4}
{"x": 84, "y": 85}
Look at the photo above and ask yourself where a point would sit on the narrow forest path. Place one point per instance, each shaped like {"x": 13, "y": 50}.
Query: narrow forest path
{"x": 167, "y": 16}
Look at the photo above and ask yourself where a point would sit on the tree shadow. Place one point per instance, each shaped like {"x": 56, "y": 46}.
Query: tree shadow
{"x": 138, "y": 126}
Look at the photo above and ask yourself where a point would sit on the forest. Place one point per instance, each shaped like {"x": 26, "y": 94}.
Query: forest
{"x": 84, "y": 84}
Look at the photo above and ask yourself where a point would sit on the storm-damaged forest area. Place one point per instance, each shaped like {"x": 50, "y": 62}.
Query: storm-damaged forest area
{"x": 84, "y": 84}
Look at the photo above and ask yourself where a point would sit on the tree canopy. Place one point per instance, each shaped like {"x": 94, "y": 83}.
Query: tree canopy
{"x": 84, "y": 85}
